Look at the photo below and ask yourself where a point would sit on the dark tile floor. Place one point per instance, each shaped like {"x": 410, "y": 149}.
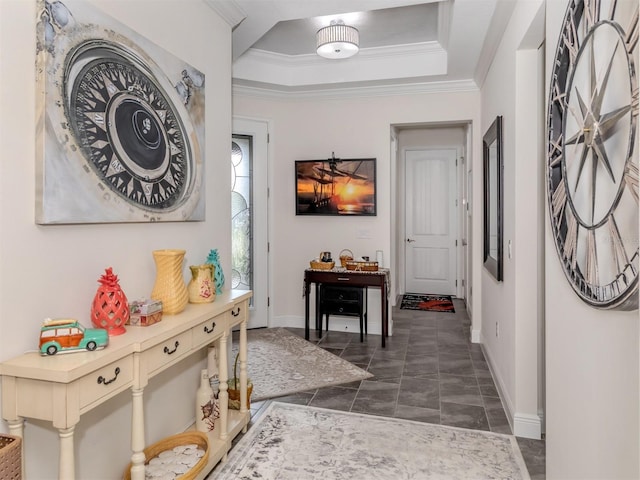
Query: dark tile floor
{"x": 428, "y": 372}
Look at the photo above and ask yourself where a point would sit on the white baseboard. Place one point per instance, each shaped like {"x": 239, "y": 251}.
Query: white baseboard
{"x": 522, "y": 424}
{"x": 290, "y": 321}
{"x": 475, "y": 336}
{"x": 527, "y": 426}
{"x": 337, "y": 323}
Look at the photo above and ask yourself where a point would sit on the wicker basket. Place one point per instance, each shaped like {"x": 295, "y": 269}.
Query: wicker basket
{"x": 234, "y": 397}
{"x": 186, "y": 438}
{"x": 345, "y": 256}
{"x": 362, "y": 266}
{"x": 10, "y": 457}
{"x": 234, "y": 392}
{"x": 316, "y": 265}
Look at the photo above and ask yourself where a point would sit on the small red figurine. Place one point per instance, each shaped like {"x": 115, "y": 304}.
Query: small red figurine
{"x": 110, "y": 309}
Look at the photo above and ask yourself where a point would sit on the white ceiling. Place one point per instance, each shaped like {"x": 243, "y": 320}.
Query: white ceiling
{"x": 433, "y": 43}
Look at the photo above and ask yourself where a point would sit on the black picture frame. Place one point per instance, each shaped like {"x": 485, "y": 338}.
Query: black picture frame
{"x": 336, "y": 187}
{"x": 493, "y": 164}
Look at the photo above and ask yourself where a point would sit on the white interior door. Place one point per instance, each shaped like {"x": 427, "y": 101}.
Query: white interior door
{"x": 257, "y": 134}
{"x": 430, "y": 224}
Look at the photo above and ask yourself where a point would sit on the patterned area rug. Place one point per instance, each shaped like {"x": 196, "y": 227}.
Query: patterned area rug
{"x": 432, "y": 303}
{"x": 281, "y": 363}
{"x": 292, "y": 442}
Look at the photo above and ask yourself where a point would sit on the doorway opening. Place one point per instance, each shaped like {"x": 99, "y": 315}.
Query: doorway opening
{"x": 433, "y": 221}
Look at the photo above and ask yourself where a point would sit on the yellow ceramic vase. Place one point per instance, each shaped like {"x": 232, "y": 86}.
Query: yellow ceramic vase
{"x": 170, "y": 287}
{"x": 202, "y": 288}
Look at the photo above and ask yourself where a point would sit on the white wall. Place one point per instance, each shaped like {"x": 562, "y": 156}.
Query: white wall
{"x": 52, "y": 271}
{"x": 311, "y": 128}
{"x": 592, "y": 368}
{"x": 510, "y": 308}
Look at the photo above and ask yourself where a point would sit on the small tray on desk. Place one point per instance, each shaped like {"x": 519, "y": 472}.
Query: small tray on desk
{"x": 361, "y": 266}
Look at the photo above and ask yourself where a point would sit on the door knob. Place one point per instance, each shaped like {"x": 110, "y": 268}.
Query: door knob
{"x": 410, "y": 240}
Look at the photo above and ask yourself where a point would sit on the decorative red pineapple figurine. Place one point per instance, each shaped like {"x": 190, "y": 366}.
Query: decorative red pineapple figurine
{"x": 110, "y": 309}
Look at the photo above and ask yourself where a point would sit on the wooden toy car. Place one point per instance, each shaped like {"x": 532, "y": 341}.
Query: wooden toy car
{"x": 67, "y": 335}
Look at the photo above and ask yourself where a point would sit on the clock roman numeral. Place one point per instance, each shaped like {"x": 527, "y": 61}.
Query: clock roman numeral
{"x": 631, "y": 39}
{"x": 634, "y": 102}
{"x": 631, "y": 179}
{"x": 591, "y": 14}
{"x": 619, "y": 253}
{"x": 571, "y": 240}
{"x": 558, "y": 201}
{"x": 555, "y": 152}
{"x": 570, "y": 39}
{"x": 592, "y": 259}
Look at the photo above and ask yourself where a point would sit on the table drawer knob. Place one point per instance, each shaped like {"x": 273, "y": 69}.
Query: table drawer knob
{"x": 104, "y": 381}
{"x": 235, "y": 312}
{"x": 209, "y": 330}
{"x": 169, "y": 352}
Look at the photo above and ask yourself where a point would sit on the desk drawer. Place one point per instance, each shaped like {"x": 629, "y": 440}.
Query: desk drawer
{"x": 341, "y": 308}
{"x": 208, "y": 331}
{"x": 239, "y": 312}
{"x": 343, "y": 294}
{"x": 107, "y": 381}
{"x": 167, "y": 352}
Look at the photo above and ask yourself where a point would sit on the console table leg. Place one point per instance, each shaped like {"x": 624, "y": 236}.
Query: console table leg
{"x": 242, "y": 351}
{"x": 223, "y": 394}
{"x": 306, "y": 309}
{"x": 137, "y": 435}
{"x": 66, "y": 469}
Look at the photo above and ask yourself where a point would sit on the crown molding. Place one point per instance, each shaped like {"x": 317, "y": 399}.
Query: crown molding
{"x": 356, "y": 91}
{"x": 229, "y": 10}
{"x": 383, "y": 64}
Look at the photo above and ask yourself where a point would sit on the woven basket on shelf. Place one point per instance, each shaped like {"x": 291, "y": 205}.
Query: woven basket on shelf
{"x": 362, "y": 266}
{"x": 234, "y": 388}
{"x": 316, "y": 265}
{"x": 345, "y": 256}
{"x": 10, "y": 457}
{"x": 186, "y": 438}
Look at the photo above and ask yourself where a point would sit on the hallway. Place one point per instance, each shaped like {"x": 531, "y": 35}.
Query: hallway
{"x": 428, "y": 372}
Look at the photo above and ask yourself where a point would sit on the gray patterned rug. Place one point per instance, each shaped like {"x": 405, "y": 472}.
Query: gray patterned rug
{"x": 294, "y": 442}
{"x": 281, "y": 363}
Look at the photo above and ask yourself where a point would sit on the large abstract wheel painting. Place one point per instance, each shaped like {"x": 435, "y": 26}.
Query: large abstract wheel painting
{"x": 122, "y": 123}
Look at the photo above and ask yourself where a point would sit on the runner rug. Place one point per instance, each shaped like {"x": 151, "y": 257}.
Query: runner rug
{"x": 281, "y": 363}
{"x": 430, "y": 303}
{"x": 293, "y": 442}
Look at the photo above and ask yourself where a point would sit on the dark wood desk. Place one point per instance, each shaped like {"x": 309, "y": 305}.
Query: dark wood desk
{"x": 342, "y": 276}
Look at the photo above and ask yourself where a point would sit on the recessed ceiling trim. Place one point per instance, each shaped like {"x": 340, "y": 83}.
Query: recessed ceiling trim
{"x": 277, "y": 92}
{"x": 385, "y": 63}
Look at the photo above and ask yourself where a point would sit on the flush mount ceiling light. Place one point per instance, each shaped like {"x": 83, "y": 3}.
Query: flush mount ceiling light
{"x": 337, "y": 40}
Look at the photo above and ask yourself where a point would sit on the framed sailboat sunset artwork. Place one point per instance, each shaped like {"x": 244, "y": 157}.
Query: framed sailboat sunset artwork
{"x": 336, "y": 187}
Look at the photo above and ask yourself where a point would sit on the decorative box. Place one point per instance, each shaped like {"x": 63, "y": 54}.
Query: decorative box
{"x": 137, "y": 319}
{"x": 145, "y": 312}
{"x": 145, "y": 306}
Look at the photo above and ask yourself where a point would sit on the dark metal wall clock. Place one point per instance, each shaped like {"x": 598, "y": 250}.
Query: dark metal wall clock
{"x": 592, "y": 154}
{"x": 123, "y": 123}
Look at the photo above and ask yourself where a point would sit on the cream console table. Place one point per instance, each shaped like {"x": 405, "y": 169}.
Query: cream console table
{"x": 61, "y": 388}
